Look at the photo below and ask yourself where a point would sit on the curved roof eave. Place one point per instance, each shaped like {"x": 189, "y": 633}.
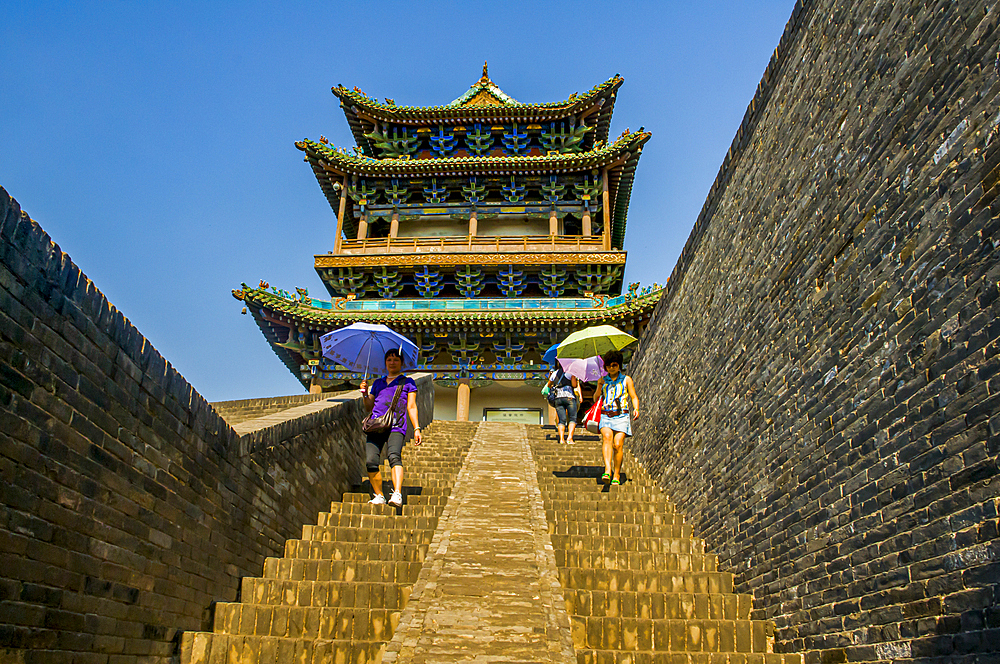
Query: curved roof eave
{"x": 304, "y": 314}
{"x": 329, "y": 158}
{"x": 356, "y": 103}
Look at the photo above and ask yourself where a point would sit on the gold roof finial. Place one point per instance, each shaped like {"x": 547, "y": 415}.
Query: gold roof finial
{"x": 486, "y": 75}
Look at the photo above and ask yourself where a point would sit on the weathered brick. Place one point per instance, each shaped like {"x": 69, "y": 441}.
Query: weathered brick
{"x": 123, "y": 514}
{"x": 908, "y": 393}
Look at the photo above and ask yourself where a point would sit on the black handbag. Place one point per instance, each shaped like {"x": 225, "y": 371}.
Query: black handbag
{"x": 383, "y": 423}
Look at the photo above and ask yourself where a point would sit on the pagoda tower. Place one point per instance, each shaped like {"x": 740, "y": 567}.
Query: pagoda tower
{"x": 485, "y": 230}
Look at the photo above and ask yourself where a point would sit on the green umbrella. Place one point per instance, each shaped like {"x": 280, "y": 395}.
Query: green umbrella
{"x": 596, "y": 340}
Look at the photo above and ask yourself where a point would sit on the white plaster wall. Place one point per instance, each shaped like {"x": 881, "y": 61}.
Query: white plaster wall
{"x": 505, "y": 394}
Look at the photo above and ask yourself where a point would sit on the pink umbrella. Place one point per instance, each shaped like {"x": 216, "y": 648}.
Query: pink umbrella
{"x": 586, "y": 369}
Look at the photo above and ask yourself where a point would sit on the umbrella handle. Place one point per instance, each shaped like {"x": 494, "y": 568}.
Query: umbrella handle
{"x": 368, "y": 359}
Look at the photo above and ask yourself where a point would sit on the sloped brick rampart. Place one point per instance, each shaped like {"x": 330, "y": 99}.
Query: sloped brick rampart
{"x": 820, "y": 381}
{"x": 242, "y": 410}
{"x": 128, "y": 505}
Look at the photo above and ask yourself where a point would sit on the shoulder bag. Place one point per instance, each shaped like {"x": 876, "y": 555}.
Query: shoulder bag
{"x": 383, "y": 423}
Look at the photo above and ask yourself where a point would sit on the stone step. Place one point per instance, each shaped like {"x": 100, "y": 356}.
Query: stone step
{"x": 335, "y": 520}
{"x": 602, "y": 516}
{"x": 587, "y": 468}
{"x": 281, "y": 592}
{"x": 331, "y": 536}
{"x": 408, "y": 509}
{"x": 303, "y": 550}
{"x": 593, "y": 503}
{"x": 656, "y": 605}
{"x": 637, "y": 561}
{"x": 423, "y": 477}
{"x": 209, "y": 648}
{"x": 550, "y": 483}
{"x": 305, "y": 622}
{"x": 705, "y": 636}
{"x": 644, "y": 657}
{"x": 650, "y": 544}
{"x": 363, "y": 493}
{"x": 614, "y": 494}
{"x": 302, "y": 569}
{"x": 408, "y": 499}
{"x": 712, "y": 583}
{"x": 605, "y": 529}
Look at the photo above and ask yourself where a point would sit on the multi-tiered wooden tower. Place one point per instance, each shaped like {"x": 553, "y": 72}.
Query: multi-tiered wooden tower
{"x": 486, "y": 230}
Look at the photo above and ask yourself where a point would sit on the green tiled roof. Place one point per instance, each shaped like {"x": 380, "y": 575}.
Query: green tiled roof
{"x": 317, "y": 318}
{"x": 360, "y": 164}
{"x": 354, "y": 101}
{"x": 625, "y": 151}
{"x": 272, "y": 312}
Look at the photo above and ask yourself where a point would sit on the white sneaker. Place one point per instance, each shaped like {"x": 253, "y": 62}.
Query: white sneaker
{"x": 396, "y": 499}
{"x": 379, "y": 499}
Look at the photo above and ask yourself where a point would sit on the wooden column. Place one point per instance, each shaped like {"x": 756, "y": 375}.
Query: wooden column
{"x": 587, "y": 229}
{"x": 363, "y": 227}
{"x": 551, "y": 416}
{"x": 462, "y": 408}
{"x": 314, "y": 386}
{"x": 473, "y": 223}
{"x": 340, "y": 217}
{"x": 553, "y": 223}
{"x": 394, "y": 224}
{"x": 606, "y": 201}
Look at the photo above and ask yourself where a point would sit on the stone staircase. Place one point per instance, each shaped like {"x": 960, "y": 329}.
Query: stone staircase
{"x": 337, "y": 594}
{"x": 639, "y": 588}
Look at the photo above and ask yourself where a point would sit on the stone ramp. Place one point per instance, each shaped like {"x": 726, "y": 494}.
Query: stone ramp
{"x": 338, "y": 592}
{"x": 639, "y": 588}
{"x": 489, "y": 591}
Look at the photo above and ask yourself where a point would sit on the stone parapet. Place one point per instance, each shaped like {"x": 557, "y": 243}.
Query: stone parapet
{"x": 241, "y": 410}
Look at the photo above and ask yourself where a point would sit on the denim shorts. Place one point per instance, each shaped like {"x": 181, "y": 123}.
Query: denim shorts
{"x": 566, "y": 409}
{"x": 622, "y": 423}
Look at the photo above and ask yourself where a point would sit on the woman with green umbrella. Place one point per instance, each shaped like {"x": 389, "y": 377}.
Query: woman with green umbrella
{"x": 616, "y": 390}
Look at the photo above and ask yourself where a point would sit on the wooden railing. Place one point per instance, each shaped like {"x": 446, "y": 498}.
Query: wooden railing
{"x": 472, "y": 243}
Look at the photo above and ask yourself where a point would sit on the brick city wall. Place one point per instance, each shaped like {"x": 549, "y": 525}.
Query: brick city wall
{"x": 820, "y": 381}
{"x": 128, "y": 505}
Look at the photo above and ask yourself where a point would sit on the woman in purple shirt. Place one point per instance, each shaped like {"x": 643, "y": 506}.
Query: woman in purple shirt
{"x": 379, "y": 399}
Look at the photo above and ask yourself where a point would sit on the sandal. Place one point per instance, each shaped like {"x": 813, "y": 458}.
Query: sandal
{"x": 615, "y": 482}
{"x": 605, "y": 477}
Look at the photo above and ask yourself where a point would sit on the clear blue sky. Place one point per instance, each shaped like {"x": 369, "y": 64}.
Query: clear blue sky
{"x": 154, "y": 140}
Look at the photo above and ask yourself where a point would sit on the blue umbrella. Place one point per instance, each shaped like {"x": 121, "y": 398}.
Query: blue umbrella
{"x": 550, "y": 355}
{"x": 362, "y": 347}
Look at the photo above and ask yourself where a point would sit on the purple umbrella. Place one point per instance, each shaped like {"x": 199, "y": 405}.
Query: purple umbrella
{"x": 586, "y": 369}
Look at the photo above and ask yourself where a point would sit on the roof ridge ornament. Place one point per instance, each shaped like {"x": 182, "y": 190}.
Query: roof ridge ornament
{"x": 486, "y": 75}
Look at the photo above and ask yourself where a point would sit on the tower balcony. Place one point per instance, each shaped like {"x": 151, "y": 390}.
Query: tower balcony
{"x": 472, "y": 244}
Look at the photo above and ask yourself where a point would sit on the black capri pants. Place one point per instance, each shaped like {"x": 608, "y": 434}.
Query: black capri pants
{"x": 566, "y": 409}
{"x": 377, "y": 442}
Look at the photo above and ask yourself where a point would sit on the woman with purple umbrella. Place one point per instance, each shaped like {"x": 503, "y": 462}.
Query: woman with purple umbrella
{"x": 358, "y": 347}
{"x": 380, "y": 399}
